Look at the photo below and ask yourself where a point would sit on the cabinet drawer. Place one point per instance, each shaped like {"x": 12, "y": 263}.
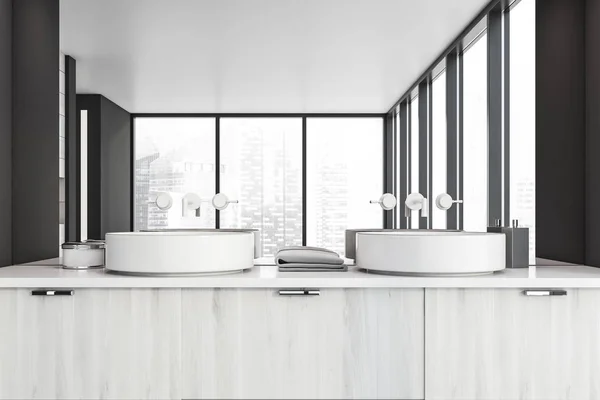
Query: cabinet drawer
{"x": 303, "y": 343}
{"x": 512, "y": 343}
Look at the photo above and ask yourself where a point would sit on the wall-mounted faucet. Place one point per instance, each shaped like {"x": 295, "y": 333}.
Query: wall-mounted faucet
{"x": 194, "y": 202}
{"x": 387, "y": 201}
{"x": 444, "y": 201}
{"x": 191, "y": 201}
{"x": 415, "y": 202}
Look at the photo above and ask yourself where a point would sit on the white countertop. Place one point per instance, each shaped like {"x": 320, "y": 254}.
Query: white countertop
{"x": 48, "y": 274}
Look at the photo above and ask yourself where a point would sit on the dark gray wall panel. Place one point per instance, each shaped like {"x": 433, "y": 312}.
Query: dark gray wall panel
{"x": 560, "y": 130}
{"x": 495, "y": 127}
{"x": 5, "y": 132}
{"x": 109, "y": 165}
{"x": 116, "y": 168}
{"x": 35, "y": 129}
{"x": 592, "y": 248}
{"x": 91, "y": 103}
{"x": 73, "y": 177}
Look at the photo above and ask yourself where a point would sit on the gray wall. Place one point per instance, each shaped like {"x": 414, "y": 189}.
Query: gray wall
{"x": 35, "y": 126}
{"x": 560, "y": 130}
{"x": 116, "y": 168}
{"x": 73, "y": 176}
{"x": 5, "y": 132}
{"x": 592, "y": 248}
{"x": 109, "y": 165}
{"x": 91, "y": 103}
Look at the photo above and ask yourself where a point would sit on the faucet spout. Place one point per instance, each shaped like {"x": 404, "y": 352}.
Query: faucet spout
{"x": 416, "y": 202}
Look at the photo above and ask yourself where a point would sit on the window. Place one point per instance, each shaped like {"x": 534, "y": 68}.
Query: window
{"x": 475, "y": 129}
{"x": 438, "y": 150}
{"x": 176, "y": 156}
{"x": 522, "y": 118}
{"x": 344, "y": 168}
{"x": 414, "y": 156}
{"x": 83, "y": 172}
{"x": 400, "y": 158}
{"x": 262, "y": 168}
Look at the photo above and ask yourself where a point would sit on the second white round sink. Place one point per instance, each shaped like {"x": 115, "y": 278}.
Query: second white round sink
{"x": 179, "y": 253}
{"x": 432, "y": 253}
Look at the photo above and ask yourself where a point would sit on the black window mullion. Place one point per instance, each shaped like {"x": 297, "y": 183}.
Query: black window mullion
{"x": 304, "y": 182}
{"x": 217, "y": 167}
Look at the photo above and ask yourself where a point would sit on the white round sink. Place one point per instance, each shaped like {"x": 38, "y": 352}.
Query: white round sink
{"x": 433, "y": 253}
{"x": 350, "y": 241}
{"x": 179, "y": 253}
{"x": 255, "y": 232}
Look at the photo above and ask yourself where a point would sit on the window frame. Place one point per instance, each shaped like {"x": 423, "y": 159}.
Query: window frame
{"x": 303, "y": 116}
{"x": 494, "y": 19}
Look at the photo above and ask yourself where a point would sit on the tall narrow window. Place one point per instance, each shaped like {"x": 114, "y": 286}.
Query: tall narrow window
{"x": 522, "y": 118}
{"x": 83, "y": 170}
{"x": 475, "y": 132}
{"x": 438, "y": 148}
{"x": 400, "y": 158}
{"x": 174, "y": 156}
{"x": 344, "y": 169}
{"x": 414, "y": 156}
{"x": 261, "y": 167}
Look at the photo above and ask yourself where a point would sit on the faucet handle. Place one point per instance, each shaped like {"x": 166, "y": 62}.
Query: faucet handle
{"x": 444, "y": 201}
{"x": 221, "y": 201}
{"x": 387, "y": 201}
{"x": 163, "y": 201}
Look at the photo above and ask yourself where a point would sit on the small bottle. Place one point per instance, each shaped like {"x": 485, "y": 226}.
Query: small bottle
{"x": 517, "y": 243}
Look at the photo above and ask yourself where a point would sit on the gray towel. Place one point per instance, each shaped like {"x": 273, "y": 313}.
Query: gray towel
{"x": 299, "y": 259}
{"x": 312, "y": 268}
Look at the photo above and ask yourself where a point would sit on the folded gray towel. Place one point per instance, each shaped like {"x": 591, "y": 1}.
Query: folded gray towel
{"x": 308, "y": 259}
{"x": 312, "y": 268}
{"x": 314, "y": 256}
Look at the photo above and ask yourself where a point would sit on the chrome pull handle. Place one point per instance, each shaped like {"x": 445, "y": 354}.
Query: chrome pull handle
{"x": 544, "y": 292}
{"x": 300, "y": 292}
{"x": 44, "y": 292}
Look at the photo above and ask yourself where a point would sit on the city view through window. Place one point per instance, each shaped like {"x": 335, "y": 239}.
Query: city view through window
{"x": 522, "y": 118}
{"x": 261, "y": 167}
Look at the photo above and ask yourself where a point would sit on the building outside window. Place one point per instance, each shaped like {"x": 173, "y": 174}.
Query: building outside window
{"x": 175, "y": 156}
{"x": 344, "y": 169}
{"x": 522, "y": 118}
{"x": 475, "y": 136}
{"x": 438, "y": 147}
{"x": 262, "y": 168}
{"x": 414, "y": 156}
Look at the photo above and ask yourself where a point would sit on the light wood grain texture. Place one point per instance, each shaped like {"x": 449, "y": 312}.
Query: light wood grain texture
{"x": 499, "y": 344}
{"x": 99, "y": 343}
{"x": 36, "y": 346}
{"x": 346, "y": 343}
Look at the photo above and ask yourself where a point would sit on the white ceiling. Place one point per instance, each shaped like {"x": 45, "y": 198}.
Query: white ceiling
{"x": 257, "y": 55}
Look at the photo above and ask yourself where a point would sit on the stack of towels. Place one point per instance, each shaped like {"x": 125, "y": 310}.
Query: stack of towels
{"x": 308, "y": 259}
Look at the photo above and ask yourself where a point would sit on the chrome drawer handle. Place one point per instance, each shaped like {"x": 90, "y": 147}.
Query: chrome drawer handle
{"x": 300, "y": 292}
{"x": 545, "y": 292}
{"x": 41, "y": 292}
